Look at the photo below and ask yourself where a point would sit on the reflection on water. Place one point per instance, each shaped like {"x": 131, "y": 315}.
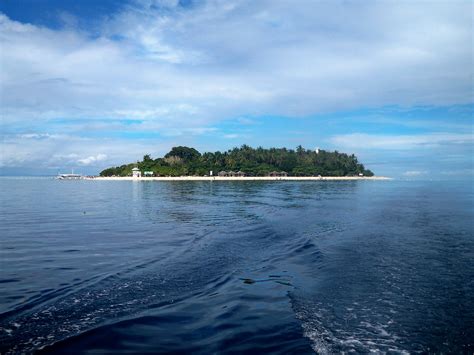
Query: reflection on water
{"x": 326, "y": 266}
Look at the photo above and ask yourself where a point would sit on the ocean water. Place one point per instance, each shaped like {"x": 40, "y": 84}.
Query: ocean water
{"x": 236, "y": 267}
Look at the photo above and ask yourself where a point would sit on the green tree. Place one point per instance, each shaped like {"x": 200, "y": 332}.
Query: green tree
{"x": 185, "y": 153}
{"x": 254, "y": 162}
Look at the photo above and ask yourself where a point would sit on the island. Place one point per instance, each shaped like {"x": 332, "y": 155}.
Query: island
{"x": 244, "y": 163}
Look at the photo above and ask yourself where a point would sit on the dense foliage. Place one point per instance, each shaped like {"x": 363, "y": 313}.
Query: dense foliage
{"x": 181, "y": 161}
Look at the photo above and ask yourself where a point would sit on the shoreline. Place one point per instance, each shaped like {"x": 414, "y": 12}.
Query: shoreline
{"x": 235, "y": 178}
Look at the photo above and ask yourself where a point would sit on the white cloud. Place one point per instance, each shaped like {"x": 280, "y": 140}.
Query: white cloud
{"x": 217, "y": 59}
{"x": 231, "y": 136}
{"x": 459, "y": 172}
{"x": 37, "y": 136}
{"x": 65, "y": 152}
{"x": 182, "y": 69}
{"x": 415, "y": 173}
{"x": 399, "y": 142}
{"x": 92, "y": 159}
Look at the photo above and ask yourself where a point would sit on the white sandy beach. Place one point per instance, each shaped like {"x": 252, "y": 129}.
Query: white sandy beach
{"x": 246, "y": 178}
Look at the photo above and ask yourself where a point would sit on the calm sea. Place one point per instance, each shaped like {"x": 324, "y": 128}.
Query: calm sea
{"x": 232, "y": 267}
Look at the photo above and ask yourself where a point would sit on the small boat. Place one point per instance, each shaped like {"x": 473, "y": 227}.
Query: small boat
{"x": 71, "y": 176}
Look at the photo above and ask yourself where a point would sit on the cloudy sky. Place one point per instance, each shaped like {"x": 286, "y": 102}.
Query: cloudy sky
{"x": 93, "y": 83}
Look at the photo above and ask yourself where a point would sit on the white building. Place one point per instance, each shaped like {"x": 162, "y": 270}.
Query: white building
{"x": 136, "y": 173}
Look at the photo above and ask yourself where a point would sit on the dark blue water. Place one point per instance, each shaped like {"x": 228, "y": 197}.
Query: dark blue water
{"x": 231, "y": 267}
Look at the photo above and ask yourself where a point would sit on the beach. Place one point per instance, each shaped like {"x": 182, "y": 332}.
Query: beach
{"x": 238, "y": 178}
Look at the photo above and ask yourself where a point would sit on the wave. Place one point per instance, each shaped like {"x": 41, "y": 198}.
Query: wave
{"x": 200, "y": 269}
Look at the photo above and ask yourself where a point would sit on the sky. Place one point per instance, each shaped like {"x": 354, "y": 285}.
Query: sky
{"x": 96, "y": 83}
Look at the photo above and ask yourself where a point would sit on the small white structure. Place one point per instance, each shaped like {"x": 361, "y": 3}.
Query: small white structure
{"x": 148, "y": 173}
{"x": 136, "y": 173}
{"x": 317, "y": 150}
{"x": 210, "y": 173}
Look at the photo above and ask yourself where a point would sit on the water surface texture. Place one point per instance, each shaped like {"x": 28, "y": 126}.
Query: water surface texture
{"x": 217, "y": 267}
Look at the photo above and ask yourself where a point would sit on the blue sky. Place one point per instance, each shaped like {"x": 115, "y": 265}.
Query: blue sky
{"x": 94, "y": 83}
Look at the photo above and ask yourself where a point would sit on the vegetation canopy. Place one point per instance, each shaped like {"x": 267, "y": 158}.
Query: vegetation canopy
{"x": 183, "y": 161}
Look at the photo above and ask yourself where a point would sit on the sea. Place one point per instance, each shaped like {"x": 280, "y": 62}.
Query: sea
{"x": 221, "y": 267}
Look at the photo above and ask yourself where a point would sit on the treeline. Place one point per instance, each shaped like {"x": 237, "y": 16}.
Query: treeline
{"x": 182, "y": 161}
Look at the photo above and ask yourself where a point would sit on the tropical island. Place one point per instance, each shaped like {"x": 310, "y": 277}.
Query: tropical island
{"x": 244, "y": 162}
